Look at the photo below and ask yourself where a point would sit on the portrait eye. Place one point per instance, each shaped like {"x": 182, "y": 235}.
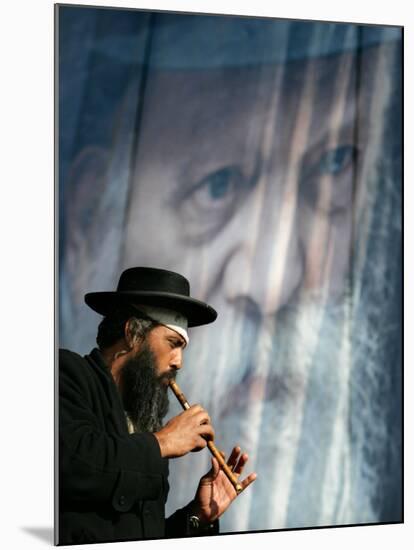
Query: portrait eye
{"x": 332, "y": 170}
{"x": 208, "y": 204}
{"x": 217, "y": 187}
{"x": 215, "y": 195}
{"x": 336, "y": 160}
{"x": 219, "y": 184}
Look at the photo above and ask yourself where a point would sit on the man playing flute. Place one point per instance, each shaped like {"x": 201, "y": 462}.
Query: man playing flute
{"x": 113, "y": 445}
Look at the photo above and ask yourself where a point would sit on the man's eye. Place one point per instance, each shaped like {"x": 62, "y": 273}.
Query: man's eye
{"x": 219, "y": 184}
{"x": 327, "y": 181}
{"x": 208, "y": 204}
{"x": 175, "y": 343}
{"x": 217, "y": 189}
{"x": 336, "y": 160}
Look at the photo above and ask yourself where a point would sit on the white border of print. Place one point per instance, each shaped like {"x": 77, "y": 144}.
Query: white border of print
{"x": 27, "y": 272}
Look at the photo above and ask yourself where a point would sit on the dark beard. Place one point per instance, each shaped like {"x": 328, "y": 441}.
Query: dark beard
{"x": 143, "y": 393}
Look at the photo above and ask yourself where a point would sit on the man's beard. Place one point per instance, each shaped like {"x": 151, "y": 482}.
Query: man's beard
{"x": 144, "y": 394}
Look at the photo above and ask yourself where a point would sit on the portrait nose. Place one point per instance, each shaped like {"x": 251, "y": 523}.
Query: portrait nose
{"x": 264, "y": 272}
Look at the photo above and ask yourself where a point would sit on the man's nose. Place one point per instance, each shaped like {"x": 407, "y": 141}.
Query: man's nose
{"x": 264, "y": 272}
{"x": 176, "y": 360}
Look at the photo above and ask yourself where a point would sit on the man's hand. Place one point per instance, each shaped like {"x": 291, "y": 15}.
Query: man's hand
{"x": 189, "y": 431}
{"x": 215, "y": 492}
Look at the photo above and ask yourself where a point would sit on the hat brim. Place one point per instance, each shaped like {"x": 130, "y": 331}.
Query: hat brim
{"x": 197, "y": 312}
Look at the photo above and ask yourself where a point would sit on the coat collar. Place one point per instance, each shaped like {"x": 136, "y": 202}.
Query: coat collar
{"x": 96, "y": 359}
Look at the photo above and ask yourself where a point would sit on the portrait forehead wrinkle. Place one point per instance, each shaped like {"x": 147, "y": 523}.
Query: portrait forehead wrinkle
{"x": 211, "y": 108}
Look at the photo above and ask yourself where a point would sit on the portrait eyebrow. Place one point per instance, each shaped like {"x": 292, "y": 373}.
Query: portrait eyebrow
{"x": 344, "y": 132}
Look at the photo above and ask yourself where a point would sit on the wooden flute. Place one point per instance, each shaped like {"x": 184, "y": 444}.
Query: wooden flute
{"x": 212, "y": 448}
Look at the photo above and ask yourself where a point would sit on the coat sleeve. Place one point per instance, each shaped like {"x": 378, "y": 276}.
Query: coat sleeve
{"x": 94, "y": 466}
{"x": 178, "y": 525}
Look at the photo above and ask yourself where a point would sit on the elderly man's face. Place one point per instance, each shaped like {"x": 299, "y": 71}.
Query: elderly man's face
{"x": 250, "y": 182}
{"x": 245, "y": 180}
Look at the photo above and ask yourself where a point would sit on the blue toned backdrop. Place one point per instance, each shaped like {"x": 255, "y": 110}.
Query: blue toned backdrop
{"x": 261, "y": 159}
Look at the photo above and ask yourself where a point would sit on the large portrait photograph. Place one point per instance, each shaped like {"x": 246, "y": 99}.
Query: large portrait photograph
{"x": 229, "y": 274}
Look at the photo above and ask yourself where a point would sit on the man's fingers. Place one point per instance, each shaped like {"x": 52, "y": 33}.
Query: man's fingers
{"x": 215, "y": 467}
{"x": 199, "y": 446}
{"x": 194, "y": 409}
{"x": 248, "y": 480}
{"x": 202, "y": 418}
{"x": 234, "y": 456}
{"x": 237, "y": 461}
{"x": 198, "y": 413}
{"x": 241, "y": 463}
{"x": 206, "y": 431}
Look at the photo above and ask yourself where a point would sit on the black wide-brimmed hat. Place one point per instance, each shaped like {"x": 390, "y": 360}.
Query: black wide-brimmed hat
{"x": 153, "y": 287}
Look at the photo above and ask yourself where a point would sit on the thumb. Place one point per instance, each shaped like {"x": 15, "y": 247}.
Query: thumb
{"x": 215, "y": 468}
{"x": 213, "y": 472}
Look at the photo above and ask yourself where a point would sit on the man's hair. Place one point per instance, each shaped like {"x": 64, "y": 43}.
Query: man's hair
{"x": 112, "y": 327}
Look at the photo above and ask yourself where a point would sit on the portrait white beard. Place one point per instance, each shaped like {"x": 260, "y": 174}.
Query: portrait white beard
{"x": 310, "y": 392}
{"x": 291, "y": 396}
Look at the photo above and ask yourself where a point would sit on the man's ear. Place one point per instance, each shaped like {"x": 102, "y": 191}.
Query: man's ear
{"x": 84, "y": 186}
{"x": 84, "y": 219}
{"x": 130, "y": 334}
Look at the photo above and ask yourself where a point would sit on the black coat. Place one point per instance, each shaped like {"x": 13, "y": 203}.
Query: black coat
{"x": 112, "y": 485}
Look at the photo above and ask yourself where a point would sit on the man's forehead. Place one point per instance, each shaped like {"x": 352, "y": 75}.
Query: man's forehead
{"x": 167, "y": 332}
{"x": 229, "y": 77}
{"x": 221, "y": 106}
